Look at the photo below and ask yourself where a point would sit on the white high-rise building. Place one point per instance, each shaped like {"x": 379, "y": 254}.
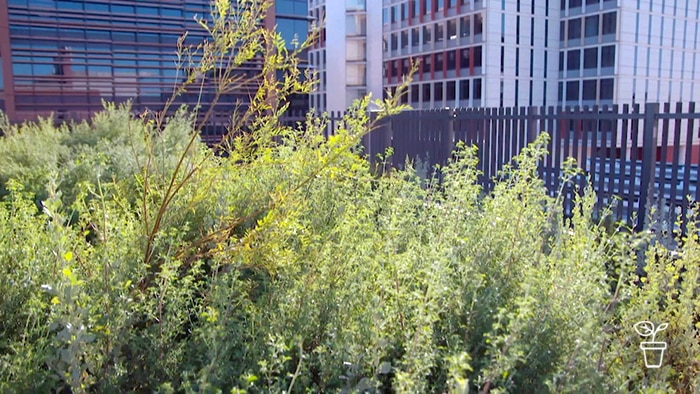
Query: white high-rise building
{"x": 496, "y": 53}
{"x": 473, "y": 53}
{"x": 348, "y": 54}
{"x": 629, "y": 51}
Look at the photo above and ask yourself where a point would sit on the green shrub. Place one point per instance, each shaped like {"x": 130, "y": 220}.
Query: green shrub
{"x": 134, "y": 259}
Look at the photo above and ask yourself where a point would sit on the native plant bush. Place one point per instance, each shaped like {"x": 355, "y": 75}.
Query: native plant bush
{"x": 135, "y": 259}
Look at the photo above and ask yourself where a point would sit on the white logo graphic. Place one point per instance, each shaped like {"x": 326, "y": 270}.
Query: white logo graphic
{"x": 653, "y": 350}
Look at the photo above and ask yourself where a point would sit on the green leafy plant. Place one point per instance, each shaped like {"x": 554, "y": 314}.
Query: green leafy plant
{"x": 136, "y": 259}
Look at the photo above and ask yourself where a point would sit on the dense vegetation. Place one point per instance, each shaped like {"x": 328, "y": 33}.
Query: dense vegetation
{"x": 134, "y": 259}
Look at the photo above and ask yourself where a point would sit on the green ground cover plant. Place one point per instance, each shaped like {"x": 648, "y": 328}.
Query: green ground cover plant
{"x": 134, "y": 259}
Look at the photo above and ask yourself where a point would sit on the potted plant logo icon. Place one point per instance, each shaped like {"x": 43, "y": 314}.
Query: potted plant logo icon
{"x": 653, "y": 350}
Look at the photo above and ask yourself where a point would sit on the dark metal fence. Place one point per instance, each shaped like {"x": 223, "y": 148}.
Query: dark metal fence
{"x": 647, "y": 156}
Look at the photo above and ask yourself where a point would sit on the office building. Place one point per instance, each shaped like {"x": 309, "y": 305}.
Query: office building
{"x": 494, "y": 53}
{"x": 629, "y": 51}
{"x": 65, "y": 57}
{"x": 348, "y": 54}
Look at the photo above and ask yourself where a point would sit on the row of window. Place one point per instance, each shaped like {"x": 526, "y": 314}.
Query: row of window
{"x": 124, "y": 22}
{"x": 466, "y": 26}
{"x": 20, "y": 67}
{"x": 463, "y": 59}
{"x": 591, "y": 26}
{"x": 572, "y": 4}
{"x": 587, "y": 90}
{"x": 439, "y": 92}
{"x": 107, "y": 8}
{"x": 58, "y": 37}
{"x": 414, "y": 8}
{"x": 588, "y": 58}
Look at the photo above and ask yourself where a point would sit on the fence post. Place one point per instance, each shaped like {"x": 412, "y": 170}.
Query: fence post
{"x": 532, "y": 131}
{"x": 649, "y": 141}
{"x": 450, "y": 140}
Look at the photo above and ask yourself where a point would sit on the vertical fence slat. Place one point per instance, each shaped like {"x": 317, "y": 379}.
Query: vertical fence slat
{"x": 601, "y": 155}
{"x": 675, "y": 168}
{"x": 663, "y": 180}
{"x": 687, "y": 165}
{"x": 554, "y": 153}
{"x": 649, "y": 144}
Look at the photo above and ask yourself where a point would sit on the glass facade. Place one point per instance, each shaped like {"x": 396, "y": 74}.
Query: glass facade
{"x": 68, "y": 56}
{"x": 292, "y": 20}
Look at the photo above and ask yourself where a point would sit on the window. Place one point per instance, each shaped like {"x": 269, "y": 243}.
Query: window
{"x": 356, "y": 24}
{"x": 292, "y": 30}
{"x": 464, "y": 89}
{"x": 592, "y": 26}
{"x": 477, "y": 56}
{"x": 560, "y": 92}
{"x": 592, "y": 2}
{"x": 590, "y": 58}
{"x": 451, "y": 60}
{"x": 437, "y": 94}
{"x": 415, "y": 37}
{"x": 573, "y": 60}
{"x": 394, "y": 41}
{"x": 589, "y": 89}
{"x": 464, "y": 61}
{"x": 607, "y": 56}
{"x": 562, "y": 31}
{"x": 124, "y": 9}
{"x": 392, "y": 12}
{"x": 300, "y": 7}
{"x": 439, "y": 4}
{"x": 465, "y": 26}
{"x": 607, "y": 87}
{"x": 356, "y": 75}
{"x": 439, "y": 61}
{"x": 574, "y": 29}
{"x": 404, "y": 39}
{"x": 572, "y": 91}
{"x": 478, "y": 24}
{"x": 427, "y": 33}
{"x": 355, "y": 50}
{"x": 452, "y": 29}
{"x": 426, "y": 93}
{"x": 610, "y": 23}
{"x": 415, "y": 93}
{"x": 574, "y": 3}
{"x": 404, "y": 11}
{"x": 450, "y": 90}
{"x": 439, "y": 32}
{"x": 405, "y": 65}
{"x": 426, "y": 63}
{"x": 477, "y": 89}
